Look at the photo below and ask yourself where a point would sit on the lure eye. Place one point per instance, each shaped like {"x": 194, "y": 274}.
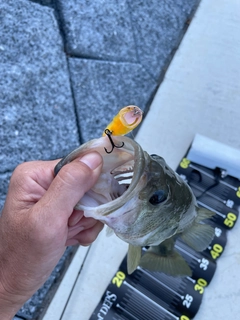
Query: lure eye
{"x": 158, "y": 197}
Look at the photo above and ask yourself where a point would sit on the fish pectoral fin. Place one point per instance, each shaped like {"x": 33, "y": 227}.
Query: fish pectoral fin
{"x": 203, "y": 214}
{"x": 133, "y": 258}
{"x": 171, "y": 263}
{"x": 109, "y": 232}
{"x": 198, "y": 236}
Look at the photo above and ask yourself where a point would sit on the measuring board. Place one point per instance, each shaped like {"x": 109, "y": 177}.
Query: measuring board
{"x": 147, "y": 295}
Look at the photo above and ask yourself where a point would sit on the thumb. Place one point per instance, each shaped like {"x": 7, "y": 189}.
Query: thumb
{"x": 71, "y": 183}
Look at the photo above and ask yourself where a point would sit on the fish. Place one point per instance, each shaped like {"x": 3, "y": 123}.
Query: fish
{"x": 125, "y": 121}
{"x": 145, "y": 203}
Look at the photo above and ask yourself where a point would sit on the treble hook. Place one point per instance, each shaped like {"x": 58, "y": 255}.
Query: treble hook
{"x": 108, "y": 133}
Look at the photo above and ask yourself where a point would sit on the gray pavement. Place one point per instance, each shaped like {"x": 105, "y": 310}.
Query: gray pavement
{"x": 67, "y": 67}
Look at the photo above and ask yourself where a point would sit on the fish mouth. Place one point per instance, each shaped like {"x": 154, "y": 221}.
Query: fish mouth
{"x": 120, "y": 177}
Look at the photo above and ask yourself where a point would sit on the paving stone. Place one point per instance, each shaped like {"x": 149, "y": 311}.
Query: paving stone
{"x": 147, "y": 32}
{"x": 101, "y": 89}
{"x": 98, "y": 29}
{"x": 4, "y": 182}
{"x": 158, "y": 29}
{"x": 49, "y": 3}
{"x": 37, "y": 118}
{"x": 28, "y": 33}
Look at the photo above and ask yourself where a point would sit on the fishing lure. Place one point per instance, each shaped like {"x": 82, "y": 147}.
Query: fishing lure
{"x": 108, "y": 133}
{"x": 125, "y": 121}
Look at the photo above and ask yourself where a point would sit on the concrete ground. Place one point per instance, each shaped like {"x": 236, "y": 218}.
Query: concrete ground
{"x": 68, "y": 66}
{"x": 200, "y": 94}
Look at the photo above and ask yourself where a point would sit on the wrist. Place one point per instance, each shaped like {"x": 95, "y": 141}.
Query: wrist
{"x": 9, "y": 303}
{"x": 8, "y": 308}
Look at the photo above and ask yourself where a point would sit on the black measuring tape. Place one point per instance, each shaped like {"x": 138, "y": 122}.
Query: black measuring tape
{"x": 146, "y": 295}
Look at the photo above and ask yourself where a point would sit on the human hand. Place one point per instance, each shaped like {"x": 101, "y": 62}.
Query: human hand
{"x": 38, "y": 221}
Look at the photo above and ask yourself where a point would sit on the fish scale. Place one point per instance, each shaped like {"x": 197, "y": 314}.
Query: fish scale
{"x": 198, "y": 262}
{"x": 186, "y": 293}
{"x": 155, "y": 208}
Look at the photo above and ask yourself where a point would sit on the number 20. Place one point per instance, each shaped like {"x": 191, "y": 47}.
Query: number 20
{"x": 118, "y": 279}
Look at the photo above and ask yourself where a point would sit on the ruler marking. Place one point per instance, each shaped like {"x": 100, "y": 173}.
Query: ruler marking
{"x": 150, "y": 300}
{"x": 193, "y": 185}
{"x": 187, "y": 253}
{"x": 208, "y": 207}
{"x": 164, "y": 285}
{"x": 191, "y": 279}
{"x": 210, "y": 176}
{"x": 124, "y": 310}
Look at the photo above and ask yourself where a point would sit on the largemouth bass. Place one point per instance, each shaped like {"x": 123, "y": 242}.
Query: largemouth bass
{"x": 145, "y": 203}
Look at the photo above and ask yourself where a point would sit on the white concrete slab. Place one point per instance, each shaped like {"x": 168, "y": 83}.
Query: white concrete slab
{"x": 101, "y": 263}
{"x": 200, "y": 94}
{"x": 201, "y": 89}
{"x": 59, "y": 302}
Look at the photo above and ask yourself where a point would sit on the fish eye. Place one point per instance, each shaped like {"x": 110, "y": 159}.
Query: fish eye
{"x": 154, "y": 156}
{"x": 158, "y": 197}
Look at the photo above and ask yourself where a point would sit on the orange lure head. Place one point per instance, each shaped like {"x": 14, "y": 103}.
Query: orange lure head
{"x": 125, "y": 121}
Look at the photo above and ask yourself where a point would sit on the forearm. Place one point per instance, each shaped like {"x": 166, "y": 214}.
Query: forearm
{"x": 11, "y": 295}
{"x": 8, "y": 308}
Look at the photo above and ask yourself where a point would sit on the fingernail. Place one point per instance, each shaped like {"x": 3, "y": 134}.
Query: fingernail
{"x": 92, "y": 160}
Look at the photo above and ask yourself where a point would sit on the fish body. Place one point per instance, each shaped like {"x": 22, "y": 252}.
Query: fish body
{"x": 145, "y": 203}
{"x": 125, "y": 121}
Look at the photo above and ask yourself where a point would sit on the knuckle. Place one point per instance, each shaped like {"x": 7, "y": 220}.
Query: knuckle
{"x": 20, "y": 171}
{"x": 19, "y": 176}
